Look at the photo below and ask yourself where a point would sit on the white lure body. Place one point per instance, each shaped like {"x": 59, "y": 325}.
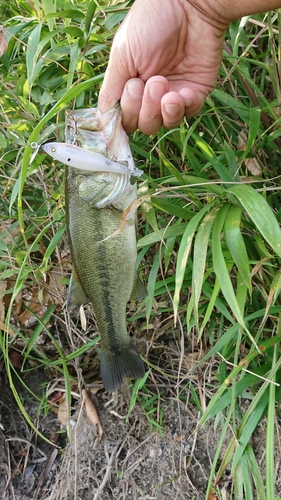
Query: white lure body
{"x": 83, "y": 159}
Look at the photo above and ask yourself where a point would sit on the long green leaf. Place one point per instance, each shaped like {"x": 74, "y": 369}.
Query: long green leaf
{"x": 89, "y": 16}
{"x": 248, "y": 429}
{"x": 32, "y": 44}
{"x": 242, "y": 365}
{"x": 199, "y": 259}
{"x": 227, "y": 336}
{"x": 236, "y": 245}
{"x": 238, "y": 482}
{"x": 52, "y": 245}
{"x": 270, "y": 441}
{"x": 261, "y": 214}
{"x": 183, "y": 252}
{"x": 227, "y": 100}
{"x": 175, "y": 230}
{"x": 151, "y": 285}
{"x": 257, "y": 406}
{"x": 220, "y": 266}
{"x": 210, "y": 155}
{"x": 256, "y": 473}
{"x": 255, "y": 119}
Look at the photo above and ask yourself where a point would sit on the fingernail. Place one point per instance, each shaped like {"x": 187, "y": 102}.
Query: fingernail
{"x": 135, "y": 89}
{"x": 156, "y": 90}
{"x": 188, "y": 102}
{"x": 172, "y": 109}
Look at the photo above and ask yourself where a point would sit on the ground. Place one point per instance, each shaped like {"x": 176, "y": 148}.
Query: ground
{"x": 136, "y": 458}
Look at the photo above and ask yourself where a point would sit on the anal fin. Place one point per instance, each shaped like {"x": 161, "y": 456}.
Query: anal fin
{"x": 139, "y": 291}
{"x": 76, "y": 296}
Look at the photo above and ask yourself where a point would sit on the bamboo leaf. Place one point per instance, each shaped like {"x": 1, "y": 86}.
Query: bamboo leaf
{"x": 183, "y": 253}
{"x": 248, "y": 429}
{"x": 49, "y": 7}
{"x": 223, "y": 173}
{"x": 236, "y": 245}
{"x": 256, "y": 473}
{"x": 270, "y": 432}
{"x": 255, "y": 118}
{"x": 53, "y": 245}
{"x": 261, "y": 214}
{"x": 246, "y": 478}
{"x": 151, "y": 285}
{"x": 258, "y": 405}
{"x": 241, "y": 293}
{"x": 220, "y": 266}
{"x": 238, "y": 482}
{"x": 174, "y": 171}
{"x": 211, "y": 293}
{"x": 151, "y": 218}
{"x": 32, "y": 44}
{"x": 171, "y": 208}
{"x": 74, "y": 56}
{"x": 199, "y": 260}
{"x": 89, "y": 16}
{"x": 175, "y": 230}
{"x": 231, "y": 161}
{"x": 227, "y": 100}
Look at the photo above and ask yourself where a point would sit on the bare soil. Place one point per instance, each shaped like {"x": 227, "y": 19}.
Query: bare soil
{"x": 152, "y": 449}
{"x": 132, "y": 460}
{"x": 142, "y": 456}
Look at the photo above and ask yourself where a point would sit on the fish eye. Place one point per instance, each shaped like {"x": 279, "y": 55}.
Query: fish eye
{"x": 53, "y": 150}
{"x": 68, "y": 159}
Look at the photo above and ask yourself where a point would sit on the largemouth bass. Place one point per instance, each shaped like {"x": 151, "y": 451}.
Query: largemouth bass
{"x": 103, "y": 256}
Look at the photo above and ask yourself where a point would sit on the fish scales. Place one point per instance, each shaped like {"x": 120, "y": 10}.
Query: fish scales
{"x": 103, "y": 257}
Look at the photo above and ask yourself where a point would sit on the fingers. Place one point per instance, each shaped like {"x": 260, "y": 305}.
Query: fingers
{"x": 131, "y": 102}
{"x": 112, "y": 86}
{"x": 173, "y": 107}
{"x": 150, "y": 117}
{"x": 141, "y": 104}
{"x": 151, "y": 105}
{"x": 194, "y": 100}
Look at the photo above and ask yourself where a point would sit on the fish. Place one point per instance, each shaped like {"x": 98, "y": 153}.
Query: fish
{"x": 103, "y": 249}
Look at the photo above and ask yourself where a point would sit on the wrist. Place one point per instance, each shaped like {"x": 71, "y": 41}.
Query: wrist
{"x": 221, "y": 13}
{"x": 214, "y": 12}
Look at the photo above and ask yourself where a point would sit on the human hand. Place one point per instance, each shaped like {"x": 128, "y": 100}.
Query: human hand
{"x": 164, "y": 61}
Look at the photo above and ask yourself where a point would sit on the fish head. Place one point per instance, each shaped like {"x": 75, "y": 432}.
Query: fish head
{"x": 100, "y": 132}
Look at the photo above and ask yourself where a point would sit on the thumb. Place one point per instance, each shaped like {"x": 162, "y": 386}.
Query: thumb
{"x": 112, "y": 86}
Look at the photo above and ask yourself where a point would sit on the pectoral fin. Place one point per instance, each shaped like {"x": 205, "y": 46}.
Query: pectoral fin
{"x": 76, "y": 296}
{"x": 139, "y": 291}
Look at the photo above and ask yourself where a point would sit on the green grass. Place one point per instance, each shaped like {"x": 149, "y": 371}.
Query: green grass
{"x": 209, "y": 232}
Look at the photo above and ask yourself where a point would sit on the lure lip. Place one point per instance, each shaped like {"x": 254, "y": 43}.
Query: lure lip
{"x": 99, "y": 162}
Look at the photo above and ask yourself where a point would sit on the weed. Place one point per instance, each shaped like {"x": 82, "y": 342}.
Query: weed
{"x": 209, "y": 237}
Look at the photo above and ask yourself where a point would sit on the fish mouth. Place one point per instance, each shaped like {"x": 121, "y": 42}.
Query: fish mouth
{"x": 101, "y": 133}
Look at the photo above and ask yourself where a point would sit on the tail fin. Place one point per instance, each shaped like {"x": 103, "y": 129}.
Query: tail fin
{"x": 115, "y": 366}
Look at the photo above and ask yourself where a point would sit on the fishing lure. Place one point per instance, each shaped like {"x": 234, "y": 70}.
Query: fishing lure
{"x": 74, "y": 156}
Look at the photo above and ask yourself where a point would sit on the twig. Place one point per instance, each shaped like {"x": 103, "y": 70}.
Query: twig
{"x": 107, "y": 472}
{"x": 21, "y": 440}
